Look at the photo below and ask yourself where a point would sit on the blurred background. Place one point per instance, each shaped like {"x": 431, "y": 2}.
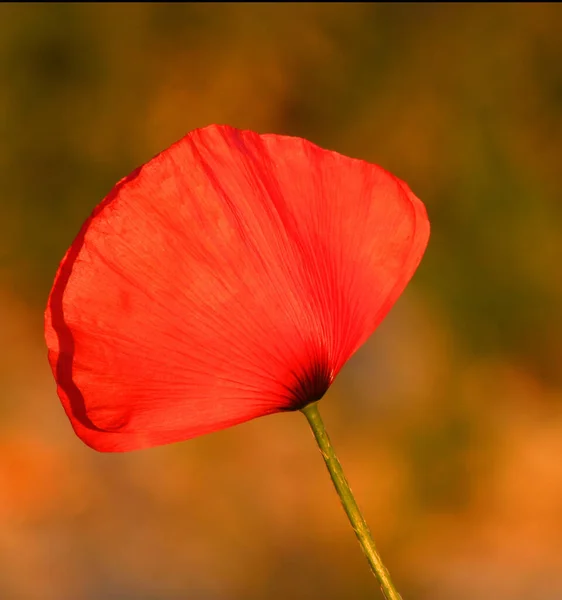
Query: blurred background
{"x": 448, "y": 421}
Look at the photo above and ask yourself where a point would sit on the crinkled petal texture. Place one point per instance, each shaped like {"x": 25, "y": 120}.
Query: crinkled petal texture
{"x": 228, "y": 278}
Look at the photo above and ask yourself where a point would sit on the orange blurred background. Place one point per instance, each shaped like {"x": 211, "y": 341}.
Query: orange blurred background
{"x": 448, "y": 421}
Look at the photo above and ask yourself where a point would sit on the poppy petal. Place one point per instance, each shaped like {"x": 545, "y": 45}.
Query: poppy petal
{"x": 228, "y": 278}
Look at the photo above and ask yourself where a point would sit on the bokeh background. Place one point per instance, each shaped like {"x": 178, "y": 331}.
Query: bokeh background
{"x": 448, "y": 421}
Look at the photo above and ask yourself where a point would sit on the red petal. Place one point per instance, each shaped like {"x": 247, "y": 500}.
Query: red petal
{"x": 230, "y": 277}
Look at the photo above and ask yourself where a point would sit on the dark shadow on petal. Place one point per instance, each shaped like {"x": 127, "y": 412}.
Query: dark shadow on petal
{"x": 311, "y": 386}
{"x": 65, "y": 361}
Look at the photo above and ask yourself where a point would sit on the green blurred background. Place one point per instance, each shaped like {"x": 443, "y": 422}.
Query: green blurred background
{"x": 448, "y": 421}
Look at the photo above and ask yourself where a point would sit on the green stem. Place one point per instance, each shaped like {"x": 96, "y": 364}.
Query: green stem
{"x": 348, "y": 501}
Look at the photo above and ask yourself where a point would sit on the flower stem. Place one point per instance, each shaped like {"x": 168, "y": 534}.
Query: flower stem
{"x": 348, "y": 501}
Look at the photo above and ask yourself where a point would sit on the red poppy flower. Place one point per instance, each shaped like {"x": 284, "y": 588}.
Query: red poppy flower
{"x": 229, "y": 277}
